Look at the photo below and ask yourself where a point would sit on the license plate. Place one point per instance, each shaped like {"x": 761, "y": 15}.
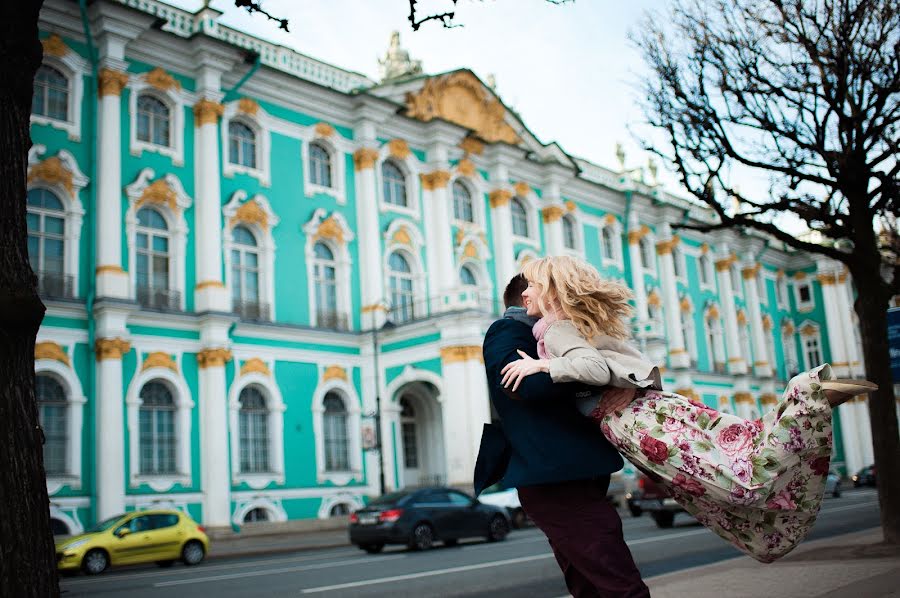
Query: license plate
{"x": 368, "y": 519}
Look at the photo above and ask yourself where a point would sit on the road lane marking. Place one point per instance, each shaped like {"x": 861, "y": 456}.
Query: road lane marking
{"x": 181, "y": 582}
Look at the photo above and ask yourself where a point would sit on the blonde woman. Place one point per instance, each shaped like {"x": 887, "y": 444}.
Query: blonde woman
{"x": 758, "y": 484}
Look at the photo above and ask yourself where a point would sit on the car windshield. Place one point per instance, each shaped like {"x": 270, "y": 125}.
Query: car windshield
{"x": 105, "y": 524}
{"x": 389, "y": 499}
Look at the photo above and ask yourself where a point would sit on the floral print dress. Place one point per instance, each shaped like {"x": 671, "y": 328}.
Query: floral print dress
{"x": 758, "y": 484}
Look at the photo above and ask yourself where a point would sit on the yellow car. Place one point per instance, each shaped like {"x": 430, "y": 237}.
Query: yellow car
{"x": 162, "y": 536}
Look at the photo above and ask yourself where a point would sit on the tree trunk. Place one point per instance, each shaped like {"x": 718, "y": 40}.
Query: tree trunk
{"x": 27, "y": 559}
{"x": 871, "y": 307}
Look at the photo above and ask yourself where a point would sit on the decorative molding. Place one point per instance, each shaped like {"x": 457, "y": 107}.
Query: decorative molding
{"x": 768, "y": 398}
{"x": 522, "y": 189}
{"x": 437, "y": 179}
{"x": 160, "y": 79}
{"x": 712, "y": 312}
{"x": 399, "y": 149}
{"x": 635, "y": 236}
{"x": 826, "y": 279}
{"x": 111, "y": 82}
{"x": 470, "y": 250}
{"x": 470, "y": 145}
{"x": 571, "y": 206}
{"x": 725, "y": 264}
{"x": 767, "y": 323}
{"x": 250, "y": 212}
{"x": 552, "y": 213}
{"x": 111, "y": 348}
{"x": 333, "y": 227}
{"x": 206, "y": 284}
{"x": 373, "y": 307}
{"x": 248, "y": 106}
{"x": 401, "y": 237}
{"x": 324, "y": 129}
{"x": 744, "y": 397}
{"x": 208, "y": 358}
{"x": 704, "y": 248}
{"x": 741, "y": 317}
{"x": 255, "y": 365}
{"x": 160, "y": 193}
{"x": 109, "y": 269}
{"x": 466, "y": 167}
{"x": 685, "y": 305}
{"x": 787, "y": 329}
{"x": 499, "y": 197}
{"x": 52, "y": 171}
{"x": 666, "y": 247}
{"x": 55, "y": 46}
{"x": 750, "y": 272}
{"x": 207, "y": 112}
{"x": 809, "y": 330}
{"x": 798, "y": 276}
{"x": 52, "y": 351}
{"x": 460, "y": 354}
{"x": 159, "y": 359}
{"x": 653, "y": 299}
{"x": 365, "y": 157}
{"x": 335, "y": 372}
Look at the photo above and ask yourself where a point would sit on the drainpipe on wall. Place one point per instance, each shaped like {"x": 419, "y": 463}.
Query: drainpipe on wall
{"x": 232, "y": 93}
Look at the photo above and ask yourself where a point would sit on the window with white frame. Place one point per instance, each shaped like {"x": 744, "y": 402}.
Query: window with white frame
{"x": 325, "y": 288}
{"x": 153, "y": 121}
{"x": 393, "y": 183}
{"x": 467, "y": 277}
{"x": 781, "y": 292}
{"x": 51, "y": 94}
{"x": 400, "y": 283}
{"x": 648, "y": 260}
{"x": 770, "y": 347}
{"x": 245, "y": 274}
{"x": 804, "y": 295}
{"x": 241, "y": 145}
{"x": 678, "y": 263}
{"x": 714, "y": 344}
{"x": 253, "y": 434}
{"x": 53, "y": 410}
{"x": 319, "y": 165}
{"x": 687, "y": 329}
{"x": 519, "y": 217}
{"x": 789, "y": 346}
{"x": 736, "y": 280}
{"x": 606, "y": 243}
{"x": 704, "y": 270}
{"x": 334, "y": 419}
{"x": 46, "y": 219}
{"x": 156, "y": 421}
{"x": 408, "y": 433}
{"x": 746, "y": 346}
{"x": 462, "y": 203}
{"x": 570, "y": 238}
{"x": 812, "y": 350}
{"x": 152, "y": 261}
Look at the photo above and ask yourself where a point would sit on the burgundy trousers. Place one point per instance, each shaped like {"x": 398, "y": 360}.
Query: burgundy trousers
{"x": 585, "y": 533}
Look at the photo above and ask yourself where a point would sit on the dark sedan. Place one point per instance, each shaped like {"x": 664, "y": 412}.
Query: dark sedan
{"x": 864, "y": 477}
{"x": 419, "y": 517}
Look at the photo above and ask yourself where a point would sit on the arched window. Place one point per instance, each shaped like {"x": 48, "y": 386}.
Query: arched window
{"x": 245, "y": 274}
{"x": 337, "y": 451}
{"x": 152, "y": 121}
{"x": 152, "y": 257}
{"x": 51, "y": 94}
{"x": 53, "y": 410}
{"x": 646, "y": 251}
{"x": 677, "y": 258}
{"x": 714, "y": 344}
{"x": 400, "y": 282}
{"x": 408, "y": 432}
{"x": 607, "y": 240}
{"x": 325, "y": 288}
{"x": 703, "y": 270}
{"x": 519, "y": 217}
{"x": 241, "y": 144}
{"x": 257, "y": 514}
{"x": 339, "y": 510}
{"x": 253, "y": 435}
{"x": 46, "y": 242}
{"x": 812, "y": 349}
{"x": 462, "y": 203}
{"x": 319, "y": 165}
{"x": 394, "y": 184}
{"x": 568, "y": 229}
{"x": 157, "y": 429}
{"x": 467, "y": 277}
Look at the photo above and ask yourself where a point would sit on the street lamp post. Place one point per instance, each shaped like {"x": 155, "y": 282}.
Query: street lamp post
{"x": 378, "y": 438}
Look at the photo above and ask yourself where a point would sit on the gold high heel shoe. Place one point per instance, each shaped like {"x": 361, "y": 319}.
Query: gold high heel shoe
{"x": 846, "y": 389}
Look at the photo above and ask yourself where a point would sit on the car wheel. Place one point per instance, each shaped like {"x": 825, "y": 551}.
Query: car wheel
{"x": 635, "y": 510}
{"x": 422, "y": 537}
{"x": 95, "y": 562}
{"x": 519, "y": 519}
{"x": 372, "y": 548}
{"x": 664, "y": 519}
{"x": 837, "y": 491}
{"x": 192, "y": 553}
{"x": 165, "y": 564}
{"x": 497, "y": 529}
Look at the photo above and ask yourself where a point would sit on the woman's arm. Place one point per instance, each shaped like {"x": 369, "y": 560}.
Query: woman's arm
{"x": 575, "y": 359}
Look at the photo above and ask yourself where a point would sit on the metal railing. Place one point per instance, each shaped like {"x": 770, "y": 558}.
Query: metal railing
{"x": 54, "y": 285}
{"x": 154, "y": 298}
{"x": 253, "y": 311}
{"x": 332, "y": 320}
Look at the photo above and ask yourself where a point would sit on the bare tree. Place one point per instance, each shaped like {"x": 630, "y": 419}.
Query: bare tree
{"x": 805, "y": 93}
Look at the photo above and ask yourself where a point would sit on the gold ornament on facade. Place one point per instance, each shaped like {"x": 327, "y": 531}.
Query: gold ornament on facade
{"x": 207, "y": 112}
{"x": 401, "y": 237}
{"x": 324, "y": 129}
{"x": 725, "y": 263}
{"x": 160, "y": 79}
{"x": 744, "y": 397}
{"x": 248, "y": 106}
{"x": 365, "y": 157}
{"x": 250, "y": 213}
{"x": 552, "y": 213}
{"x": 666, "y": 247}
{"x": 809, "y": 330}
{"x": 688, "y": 392}
{"x": 751, "y": 272}
{"x": 522, "y": 189}
{"x": 330, "y": 228}
{"x": 466, "y": 167}
{"x": 461, "y": 98}
{"x": 54, "y": 46}
{"x": 653, "y": 299}
{"x": 160, "y": 193}
{"x": 635, "y": 236}
{"x": 209, "y": 358}
{"x": 499, "y": 197}
{"x": 335, "y": 372}
{"x": 398, "y": 149}
{"x": 50, "y": 350}
{"x": 767, "y": 323}
{"x": 610, "y": 219}
{"x": 255, "y": 365}
{"x": 779, "y": 275}
{"x": 460, "y": 354}
{"x": 460, "y": 235}
{"x": 800, "y": 275}
{"x": 53, "y": 172}
{"x": 768, "y": 399}
{"x": 159, "y": 359}
{"x": 213, "y": 284}
{"x": 470, "y": 250}
{"x": 826, "y": 279}
{"x": 111, "y": 348}
{"x": 713, "y": 312}
{"x": 470, "y": 145}
{"x": 741, "y": 318}
{"x": 435, "y": 180}
{"x": 109, "y": 269}
{"x": 373, "y": 307}
{"x": 685, "y": 305}
{"x": 842, "y": 277}
{"x": 112, "y": 82}
{"x": 571, "y": 206}
{"x": 704, "y": 248}
{"x": 787, "y": 329}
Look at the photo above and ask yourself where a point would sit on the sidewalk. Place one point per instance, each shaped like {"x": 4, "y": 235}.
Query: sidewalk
{"x": 853, "y": 565}
{"x": 261, "y": 540}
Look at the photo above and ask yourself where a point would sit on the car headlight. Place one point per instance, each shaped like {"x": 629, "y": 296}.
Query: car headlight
{"x": 75, "y": 544}
{"x": 855, "y": 477}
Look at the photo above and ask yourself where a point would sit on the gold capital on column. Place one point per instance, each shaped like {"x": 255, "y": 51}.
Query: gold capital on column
{"x": 743, "y": 397}
{"x": 825, "y": 279}
{"x": 109, "y": 268}
{"x": 112, "y": 82}
{"x": 749, "y": 273}
{"x": 50, "y": 350}
{"x": 207, "y": 112}
{"x": 499, "y": 197}
{"x": 365, "y": 157}
{"x": 111, "y": 348}
{"x": 553, "y": 213}
{"x": 635, "y": 236}
{"x": 725, "y": 263}
{"x": 435, "y": 180}
{"x": 460, "y": 353}
{"x": 208, "y": 358}
{"x": 666, "y": 247}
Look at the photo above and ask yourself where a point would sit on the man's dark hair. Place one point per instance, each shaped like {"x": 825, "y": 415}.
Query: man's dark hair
{"x": 512, "y": 296}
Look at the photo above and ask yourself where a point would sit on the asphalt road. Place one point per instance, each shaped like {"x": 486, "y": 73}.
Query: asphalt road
{"x": 522, "y": 566}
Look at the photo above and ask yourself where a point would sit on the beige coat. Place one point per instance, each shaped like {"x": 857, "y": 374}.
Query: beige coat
{"x": 605, "y": 362}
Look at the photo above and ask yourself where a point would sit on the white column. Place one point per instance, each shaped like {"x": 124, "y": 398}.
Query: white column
{"x": 837, "y": 342}
{"x": 678, "y": 356}
{"x": 371, "y": 271}
{"x": 209, "y": 293}
{"x": 465, "y": 408}
{"x": 736, "y": 362}
{"x": 552, "y": 214}
{"x": 844, "y": 303}
{"x": 442, "y": 270}
{"x": 861, "y": 404}
{"x": 635, "y": 234}
{"x": 761, "y": 365}
{"x": 853, "y": 453}
{"x": 112, "y": 281}
{"x": 213, "y": 404}
{"x": 501, "y": 221}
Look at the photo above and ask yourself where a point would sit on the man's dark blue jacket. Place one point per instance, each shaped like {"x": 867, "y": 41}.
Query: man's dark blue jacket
{"x": 544, "y": 438}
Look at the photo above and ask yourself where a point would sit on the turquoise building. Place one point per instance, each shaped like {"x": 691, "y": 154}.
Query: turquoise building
{"x": 245, "y": 251}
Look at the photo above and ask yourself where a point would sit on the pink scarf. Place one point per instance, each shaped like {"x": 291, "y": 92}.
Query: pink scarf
{"x": 539, "y": 330}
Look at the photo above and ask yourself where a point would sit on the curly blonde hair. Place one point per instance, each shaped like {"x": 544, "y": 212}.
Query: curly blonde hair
{"x": 594, "y": 305}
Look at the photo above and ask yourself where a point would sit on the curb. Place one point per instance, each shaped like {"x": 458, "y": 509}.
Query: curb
{"x": 276, "y": 550}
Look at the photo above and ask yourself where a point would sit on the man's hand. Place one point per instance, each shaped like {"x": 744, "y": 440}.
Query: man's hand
{"x": 615, "y": 399}
{"x": 515, "y": 371}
